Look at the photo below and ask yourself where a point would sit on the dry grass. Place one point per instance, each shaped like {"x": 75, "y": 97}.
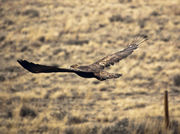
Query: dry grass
{"x": 68, "y": 32}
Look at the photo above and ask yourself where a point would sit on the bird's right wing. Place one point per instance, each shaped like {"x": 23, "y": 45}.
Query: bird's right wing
{"x": 116, "y": 57}
{"x": 37, "y": 68}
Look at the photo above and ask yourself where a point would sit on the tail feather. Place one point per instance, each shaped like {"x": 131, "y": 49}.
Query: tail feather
{"x": 105, "y": 75}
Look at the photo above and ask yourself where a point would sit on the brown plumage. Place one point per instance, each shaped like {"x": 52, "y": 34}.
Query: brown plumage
{"x": 95, "y": 70}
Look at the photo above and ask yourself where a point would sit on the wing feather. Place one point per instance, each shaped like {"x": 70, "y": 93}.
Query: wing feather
{"x": 37, "y": 68}
{"x": 116, "y": 57}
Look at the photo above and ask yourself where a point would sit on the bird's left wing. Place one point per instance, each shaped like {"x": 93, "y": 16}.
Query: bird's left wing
{"x": 37, "y": 68}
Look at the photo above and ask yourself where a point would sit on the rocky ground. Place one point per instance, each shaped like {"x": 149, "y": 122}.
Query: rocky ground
{"x": 68, "y": 32}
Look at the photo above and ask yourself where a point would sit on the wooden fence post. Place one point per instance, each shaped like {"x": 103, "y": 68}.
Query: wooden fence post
{"x": 166, "y": 109}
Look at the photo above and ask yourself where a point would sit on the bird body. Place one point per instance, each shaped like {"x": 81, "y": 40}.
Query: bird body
{"x": 95, "y": 70}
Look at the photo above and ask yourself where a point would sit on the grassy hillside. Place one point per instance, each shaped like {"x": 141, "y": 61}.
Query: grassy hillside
{"x": 73, "y": 31}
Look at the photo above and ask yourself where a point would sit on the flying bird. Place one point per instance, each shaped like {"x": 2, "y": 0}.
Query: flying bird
{"x": 95, "y": 70}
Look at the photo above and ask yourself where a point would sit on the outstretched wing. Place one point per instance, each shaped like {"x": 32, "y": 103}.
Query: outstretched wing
{"x": 37, "y": 68}
{"x": 116, "y": 57}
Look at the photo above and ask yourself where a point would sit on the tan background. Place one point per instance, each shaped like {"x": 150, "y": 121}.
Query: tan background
{"x": 73, "y": 31}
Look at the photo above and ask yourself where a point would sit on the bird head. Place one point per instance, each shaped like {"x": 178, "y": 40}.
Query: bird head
{"x": 74, "y": 66}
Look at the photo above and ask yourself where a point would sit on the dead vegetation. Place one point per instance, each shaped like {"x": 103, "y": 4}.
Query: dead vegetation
{"x": 69, "y": 32}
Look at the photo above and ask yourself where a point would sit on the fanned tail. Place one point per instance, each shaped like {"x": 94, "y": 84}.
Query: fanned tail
{"x": 103, "y": 75}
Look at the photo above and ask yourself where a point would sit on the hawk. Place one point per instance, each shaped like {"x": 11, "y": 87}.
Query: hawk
{"x": 95, "y": 70}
